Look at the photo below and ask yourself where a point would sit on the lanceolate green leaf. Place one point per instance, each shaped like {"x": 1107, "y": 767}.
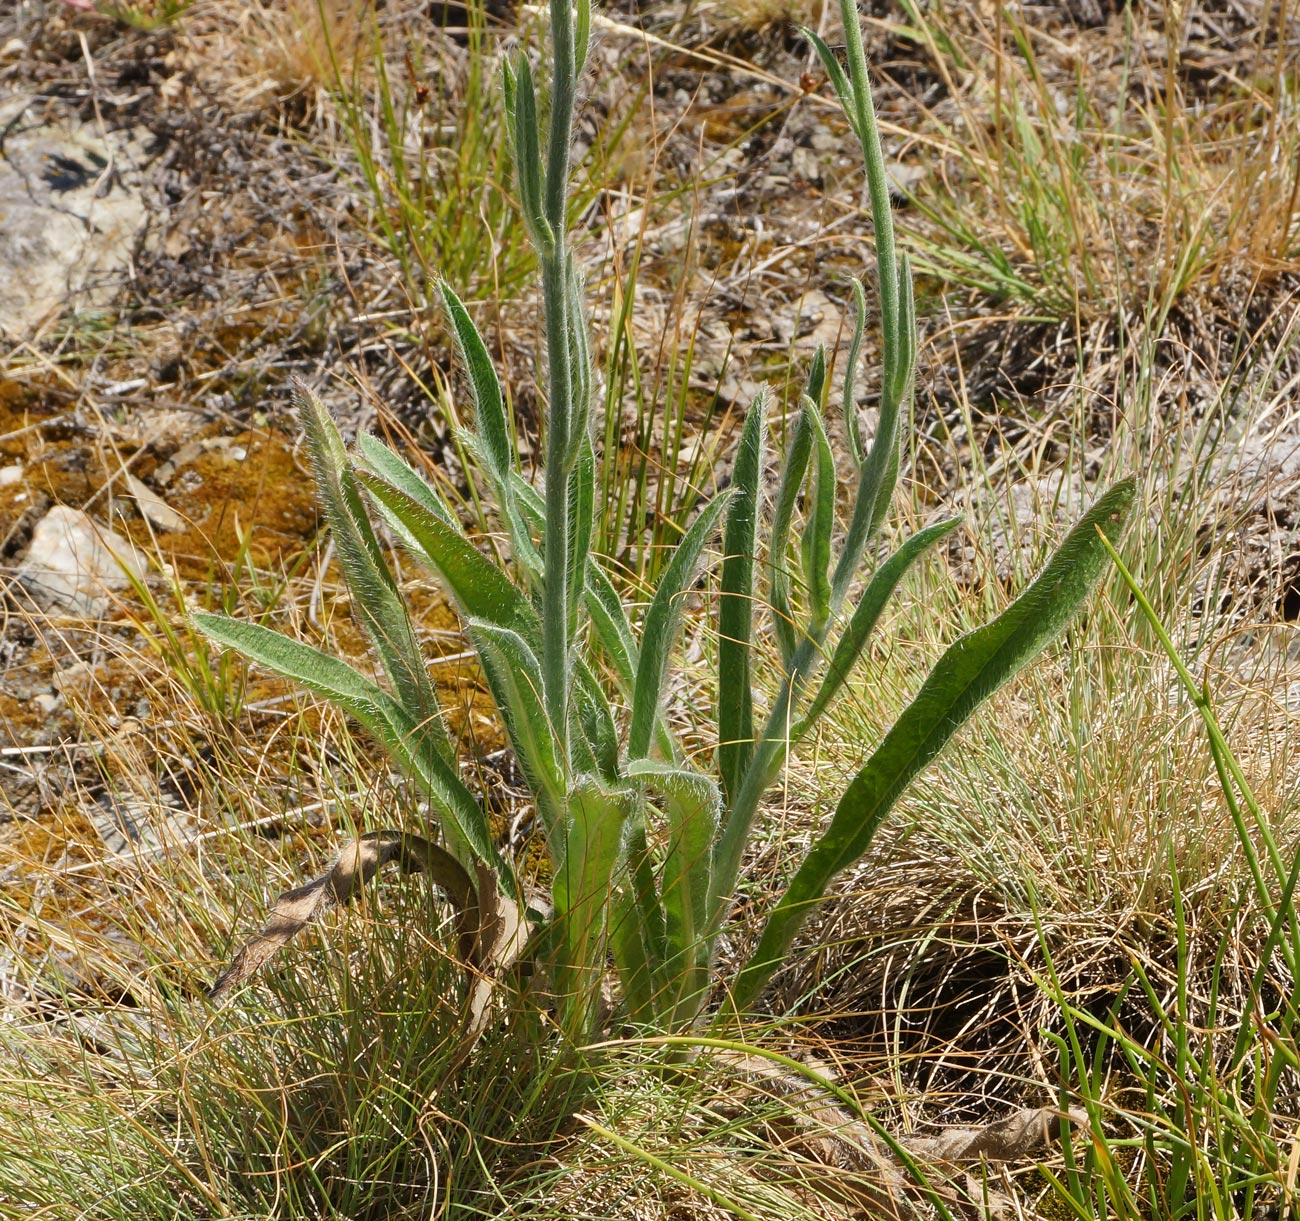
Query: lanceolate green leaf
{"x": 609, "y": 618}
{"x": 877, "y": 478}
{"x": 798, "y": 449}
{"x": 521, "y": 106}
{"x": 375, "y": 596}
{"x": 394, "y": 469}
{"x": 489, "y": 405}
{"x": 906, "y": 368}
{"x": 582, "y": 33}
{"x": 865, "y": 615}
{"x": 661, "y": 623}
{"x": 596, "y": 721}
{"x": 819, "y": 526}
{"x": 692, "y": 804}
{"x": 640, "y": 930}
{"x": 839, "y": 79}
{"x": 815, "y": 388}
{"x": 517, "y": 518}
{"x": 582, "y": 493}
{"x": 972, "y": 669}
{"x": 850, "y": 405}
{"x": 582, "y": 890}
{"x": 317, "y": 671}
{"x": 406, "y": 739}
{"x": 736, "y": 603}
{"x": 478, "y": 587}
{"x": 630, "y": 947}
{"x": 515, "y": 677}
{"x": 580, "y": 365}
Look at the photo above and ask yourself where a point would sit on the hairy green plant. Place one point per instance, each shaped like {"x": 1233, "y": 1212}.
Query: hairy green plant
{"x": 646, "y": 848}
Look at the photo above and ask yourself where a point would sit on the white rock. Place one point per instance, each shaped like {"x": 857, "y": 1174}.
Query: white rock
{"x": 10, "y": 474}
{"x": 74, "y": 565}
{"x": 73, "y": 209}
{"x": 153, "y": 506}
{"x": 48, "y": 703}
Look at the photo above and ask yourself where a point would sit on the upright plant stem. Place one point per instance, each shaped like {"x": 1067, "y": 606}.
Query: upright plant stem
{"x": 555, "y": 626}
{"x": 882, "y": 217}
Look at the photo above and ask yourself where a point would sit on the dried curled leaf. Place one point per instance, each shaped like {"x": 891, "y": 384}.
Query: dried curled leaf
{"x": 490, "y": 926}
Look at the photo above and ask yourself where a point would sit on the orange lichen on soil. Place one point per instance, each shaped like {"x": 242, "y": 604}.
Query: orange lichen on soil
{"x": 243, "y": 495}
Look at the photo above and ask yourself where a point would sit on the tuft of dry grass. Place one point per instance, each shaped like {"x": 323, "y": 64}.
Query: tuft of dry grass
{"x": 1080, "y": 167}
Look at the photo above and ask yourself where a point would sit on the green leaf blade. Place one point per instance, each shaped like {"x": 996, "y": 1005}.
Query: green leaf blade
{"x": 478, "y": 587}
{"x": 816, "y": 542}
{"x": 662, "y": 621}
{"x": 797, "y": 454}
{"x": 408, "y": 740}
{"x": 865, "y": 615}
{"x": 693, "y": 805}
{"x": 376, "y": 600}
{"x": 583, "y": 892}
{"x": 970, "y": 671}
{"x": 489, "y": 405}
{"x": 515, "y": 678}
{"x": 736, "y": 604}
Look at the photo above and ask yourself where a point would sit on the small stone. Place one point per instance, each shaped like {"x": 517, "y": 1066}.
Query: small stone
{"x": 153, "y": 507}
{"x": 10, "y": 474}
{"x": 74, "y": 565}
{"x": 48, "y": 704}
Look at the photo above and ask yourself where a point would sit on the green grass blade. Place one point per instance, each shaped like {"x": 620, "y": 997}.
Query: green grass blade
{"x": 670, "y": 1171}
{"x": 661, "y": 624}
{"x": 736, "y": 604}
{"x": 865, "y": 615}
{"x": 971, "y": 670}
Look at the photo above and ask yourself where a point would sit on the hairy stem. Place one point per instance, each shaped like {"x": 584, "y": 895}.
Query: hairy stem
{"x": 555, "y": 628}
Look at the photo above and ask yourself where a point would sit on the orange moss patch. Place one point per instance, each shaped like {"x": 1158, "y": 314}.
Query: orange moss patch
{"x": 18, "y": 720}
{"x": 246, "y": 494}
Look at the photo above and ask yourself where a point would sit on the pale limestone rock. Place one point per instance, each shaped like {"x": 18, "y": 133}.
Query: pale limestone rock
{"x": 75, "y": 565}
{"x": 71, "y": 212}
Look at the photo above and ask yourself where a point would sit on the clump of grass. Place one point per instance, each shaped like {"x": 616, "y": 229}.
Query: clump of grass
{"x": 1117, "y": 183}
